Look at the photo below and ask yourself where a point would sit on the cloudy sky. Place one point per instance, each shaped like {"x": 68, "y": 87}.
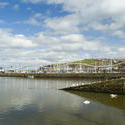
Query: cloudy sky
{"x": 51, "y": 31}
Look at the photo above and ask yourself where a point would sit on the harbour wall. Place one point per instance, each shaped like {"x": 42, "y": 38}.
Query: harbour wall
{"x": 67, "y": 75}
{"x": 116, "y": 86}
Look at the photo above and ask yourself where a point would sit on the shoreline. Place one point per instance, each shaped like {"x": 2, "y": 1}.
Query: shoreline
{"x": 106, "y": 82}
{"x": 114, "y": 86}
{"x": 67, "y": 75}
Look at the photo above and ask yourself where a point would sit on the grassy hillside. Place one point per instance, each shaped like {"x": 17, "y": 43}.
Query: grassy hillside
{"x": 98, "y": 62}
{"x": 89, "y": 61}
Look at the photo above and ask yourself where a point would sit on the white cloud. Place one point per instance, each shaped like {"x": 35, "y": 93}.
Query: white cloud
{"x": 119, "y": 33}
{"x": 29, "y": 8}
{"x": 105, "y": 6}
{"x": 45, "y": 49}
{"x": 38, "y": 15}
{"x": 32, "y": 1}
{"x": 90, "y": 9}
{"x": 86, "y": 12}
{"x": 64, "y": 41}
{"x": 8, "y": 40}
{"x": 3, "y": 4}
{"x": 16, "y": 7}
{"x": 32, "y": 21}
{"x": 106, "y": 16}
{"x": 64, "y": 25}
{"x": 2, "y": 21}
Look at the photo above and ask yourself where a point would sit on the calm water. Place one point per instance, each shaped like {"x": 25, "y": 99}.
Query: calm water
{"x": 39, "y": 102}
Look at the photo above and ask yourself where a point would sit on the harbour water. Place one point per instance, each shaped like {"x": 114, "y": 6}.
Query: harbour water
{"x": 40, "y": 102}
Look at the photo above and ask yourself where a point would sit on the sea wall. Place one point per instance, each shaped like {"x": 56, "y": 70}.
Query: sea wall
{"x": 116, "y": 86}
{"x": 67, "y": 75}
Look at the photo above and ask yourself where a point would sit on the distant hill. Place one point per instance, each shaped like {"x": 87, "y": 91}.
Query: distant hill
{"x": 89, "y": 61}
{"x": 101, "y": 61}
{"x": 96, "y": 62}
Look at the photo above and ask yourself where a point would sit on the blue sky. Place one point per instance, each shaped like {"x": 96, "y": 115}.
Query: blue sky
{"x": 53, "y": 31}
{"x": 12, "y": 16}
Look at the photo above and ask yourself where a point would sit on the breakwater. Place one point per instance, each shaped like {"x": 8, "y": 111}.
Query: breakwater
{"x": 116, "y": 86}
{"x": 67, "y": 75}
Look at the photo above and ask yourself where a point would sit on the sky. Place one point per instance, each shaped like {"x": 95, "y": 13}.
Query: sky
{"x": 55, "y": 31}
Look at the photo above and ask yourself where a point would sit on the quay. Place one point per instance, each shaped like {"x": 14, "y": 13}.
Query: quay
{"x": 103, "y": 76}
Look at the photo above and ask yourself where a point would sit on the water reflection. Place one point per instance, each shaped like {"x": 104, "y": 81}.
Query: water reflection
{"x": 39, "y": 102}
{"x": 118, "y": 102}
{"x": 17, "y": 94}
{"x": 17, "y": 83}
